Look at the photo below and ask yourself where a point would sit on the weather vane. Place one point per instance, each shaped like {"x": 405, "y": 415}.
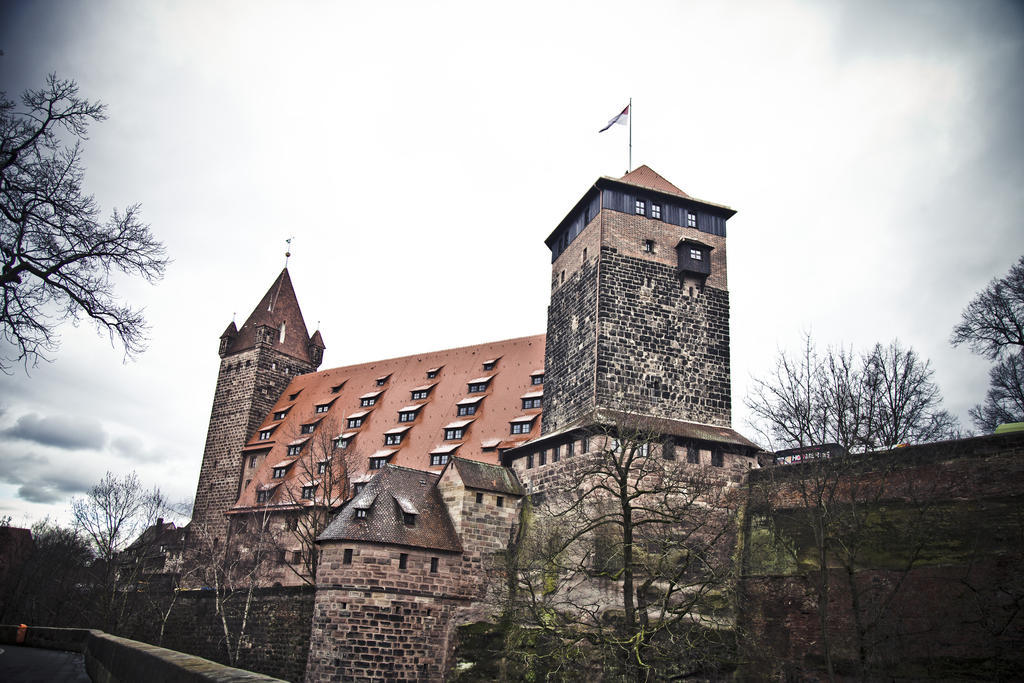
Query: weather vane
{"x": 287, "y": 251}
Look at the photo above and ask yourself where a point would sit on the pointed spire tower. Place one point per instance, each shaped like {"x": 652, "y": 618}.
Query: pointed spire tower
{"x": 258, "y": 361}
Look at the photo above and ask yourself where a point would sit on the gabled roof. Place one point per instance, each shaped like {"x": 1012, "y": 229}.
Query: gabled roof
{"x": 384, "y": 497}
{"x": 644, "y": 176}
{"x": 485, "y": 477}
{"x": 278, "y": 305}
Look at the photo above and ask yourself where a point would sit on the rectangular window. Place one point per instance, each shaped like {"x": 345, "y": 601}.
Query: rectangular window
{"x": 409, "y": 519}
{"x": 478, "y": 387}
{"x": 337, "y": 387}
{"x": 252, "y": 461}
{"x": 438, "y": 459}
{"x": 668, "y": 449}
{"x": 656, "y": 211}
{"x": 356, "y": 488}
{"x": 295, "y": 450}
{"x": 570, "y": 448}
{"x": 644, "y": 450}
{"x": 263, "y": 496}
{"x": 354, "y": 422}
{"x": 281, "y": 415}
{"x": 347, "y": 559}
{"x": 407, "y": 417}
{"x": 377, "y": 463}
{"x": 692, "y": 455}
{"x": 279, "y": 472}
{"x": 467, "y": 410}
{"x": 695, "y": 254}
{"x": 537, "y": 379}
{"x": 530, "y": 403}
{"x": 556, "y": 454}
{"x": 360, "y": 513}
{"x": 639, "y": 207}
{"x": 521, "y": 427}
{"x": 543, "y": 457}
{"x": 649, "y": 246}
{"x": 321, "y": 468}
{"x": 717, "y": 459}
{"x": 500, "y": 502}
{"x": 403, "y": 560}
{"x": 323, "y": 408}
{"x": 433, "y": 565}
{"x": 265, "y": 434}
{"x": 489, "y": 365}
{"x": 419, "y": 395}
{"x": 341, "y": 444}
{"x": 453, "y": 434}
{"x": 529, "y": 461}
{"x": 367, "y": 402}
{"x": 432, "y": 374}
{"x": 691, "y": 220}
{"x": 308, "y": 428}
{"x": 308, "y": 491}
{"x": 393, "y": 439}
{"x": 585, "y": 444}
{"x": 381, "y": 381}
{"x": 479, "y": 498}
{"x": 280, "y": 557}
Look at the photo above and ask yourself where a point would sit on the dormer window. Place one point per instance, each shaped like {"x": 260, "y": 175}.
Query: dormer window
{"x": 531, "y": 403}
{"x": 691, "y": 219}
{"x": 393, "y": 439}
{"x": 409, "y": 519}
{"x": 409, "y": 413}
{"x": 281, "y": 414}
{"x": 489, "y": 364}
{"x": 468, "y": 406}
{"x": 367, "y": 400}
{"x": 308, "y": 491}
{"x": 361, "y": 513}
{"x": 355, "y": 420}
{"x": 337, "y": 387}
{"x": 279, "y": 472}
{"x": 342, "y": 441}
{"x": 537, "y": 377}
{"x": 640, "y": 207}
{"x": 439, "y": 459}
{"x": 265, "y": 434}
{"x": 295, "y": 449}
{"x": 421, "y": 393}
{"x": 479, "y": 384}
{"x": 323, "y": 408}
{"x": 377, "y": 463}
{"x": 522, "y": 424}
{"x": 292, "y": 397}
{"x": 308, "y": 428}
{"x": 432, "y": 373}
{"x": 453, "y": 431}
{"x": 656, "y": 211}
{"x": 263, "y": 496}
{"x": 321, "y": 467}
{"x": 381, "y": 458}
{"x": 381, "y": 381}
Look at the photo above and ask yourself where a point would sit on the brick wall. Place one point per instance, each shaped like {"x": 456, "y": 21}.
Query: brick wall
{"x": 939, "y": 575}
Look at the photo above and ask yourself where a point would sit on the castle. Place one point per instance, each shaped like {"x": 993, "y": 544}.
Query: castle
{"x": 425, "y": 459}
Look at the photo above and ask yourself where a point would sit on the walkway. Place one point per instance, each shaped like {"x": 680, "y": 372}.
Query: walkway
{"x": 34, "y": 665}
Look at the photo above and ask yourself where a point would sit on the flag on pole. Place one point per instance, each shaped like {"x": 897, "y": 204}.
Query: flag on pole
{"x": 622, "y": 118}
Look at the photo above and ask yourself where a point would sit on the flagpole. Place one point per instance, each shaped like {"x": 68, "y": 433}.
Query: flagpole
{"x": 630, "y": 167}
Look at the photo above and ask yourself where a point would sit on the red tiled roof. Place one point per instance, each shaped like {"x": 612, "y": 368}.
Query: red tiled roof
{"x": 519, "y": 358}
{"x": 278, "y": 305}
{"x": 644, "y": 176}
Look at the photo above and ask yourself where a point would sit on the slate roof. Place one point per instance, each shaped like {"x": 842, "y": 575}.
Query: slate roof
{"x": 278, "y": 305}
{"x": 384, "y": 497}
{"x": 486, "y": 477}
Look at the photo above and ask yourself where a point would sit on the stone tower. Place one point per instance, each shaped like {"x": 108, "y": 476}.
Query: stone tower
{"x": 257, "y": 363}
{"x": 639, "y": 314}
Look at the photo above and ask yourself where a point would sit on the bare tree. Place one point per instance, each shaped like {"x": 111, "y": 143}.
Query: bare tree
{"x": 57, "y": 253}
{"x": 875, "y": 400}
{"x": 1004, "y": 401}
{"x": 994, "y": 319}
{"x": 113, "y": 513}
{"x": 321, "y": 482}
{"x": 626, "y": 564}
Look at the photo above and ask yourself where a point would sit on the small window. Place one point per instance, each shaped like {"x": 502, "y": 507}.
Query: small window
{"x": 696, "y": 255}
{"x": 377, "y": 463}
{"x": 569, "y": 448}
{"x": 479, "y": 498}
{"x": 265, "y": 434}
{"x": 433, "y": 565}
{"x": 252, "y": 461}
{"x": 292, "y": 397}
{"x": 360, "y": 513}
{"x": 692, "y": 455}
{"x": 279, "y": 472}
{"x": 354, "y": 422}
{"x": 544, "y": 457}
{"x": 668, "y": 449}
{"x": 309, "y": 491}
{"x": 356, "y": 488}
{"x": 454, "y": 434}
{"x": 537, "y": 379}
{"x": 341, "y": 444}
{"x": 367, "y": 402}
{"x": 438, "y": 459}
{"x": 691, "y": 220}
{"x": 393, "y": 439}
{"x": 381, "y": 381}
{"x": 467, "y": 410}
{"x": 584, "y": 254}
{"x": 717, "y": 459}
{"x": 292, "y": 523}
{"x": 649, "y": 246}
{"x": 281, "y": 414}
{"x": 639, "y": 207}
{"x": 308, "y": 428}
{"x": 347, "y": 558}
{"x": 321, "y": 468}
{"x": 477, "y": 387}
{"x": 409, "y": 519}
{"x": 403, "y": 560}
{"x": 295, "y": 450}
{"x": 281, "y": 557}
{"x": 407, "y": 416}
{"x": 323, "y": 407}
{"x": 521, "y": 427}
{"x": 489, "y": 365}
{"x": 263, "y": 496}
{"x": 530, "y": 403}
{"x": 556, "y": 454}
{"x": 420, "y": 395}
{"x": 585, "y": 444}
{"x": 529, "y": 461}
{"x": 500, "y": 502}
{"x": 432, "y": 373}
{"x": 656, "y": 211}
{"x": 337, "y": 387}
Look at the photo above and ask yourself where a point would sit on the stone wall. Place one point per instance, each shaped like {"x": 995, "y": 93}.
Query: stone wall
{"x": 937, "y": 585}
{"x": 277, "y": 630}
{"x": 248, "y": 385}
{"x": 374, "y": 620}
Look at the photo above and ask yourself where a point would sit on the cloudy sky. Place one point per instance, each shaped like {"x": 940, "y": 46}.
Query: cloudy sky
{"x": 419, "y": 153}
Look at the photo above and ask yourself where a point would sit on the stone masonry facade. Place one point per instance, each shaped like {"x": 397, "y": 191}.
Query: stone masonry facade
{"x": 248, "y": 385}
